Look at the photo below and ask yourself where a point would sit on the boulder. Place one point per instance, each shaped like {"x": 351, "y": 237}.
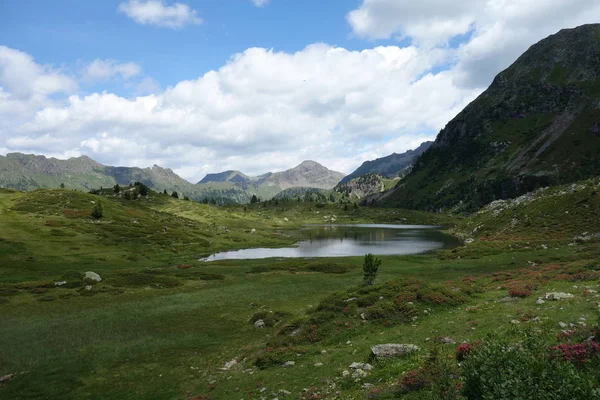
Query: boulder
{"x": 392, "y": 350}
{"x": 228, "y": 365}
{"x": 289, "y": 363}
{"x": 259, "y": 323}
{"x": 92, "y": 276}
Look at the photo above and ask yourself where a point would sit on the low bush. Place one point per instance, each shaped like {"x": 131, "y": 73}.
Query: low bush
{"x": 501, "y": 369}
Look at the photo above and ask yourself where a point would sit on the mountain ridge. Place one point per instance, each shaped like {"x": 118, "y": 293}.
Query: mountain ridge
{"x": 30, "y": 171}
{"x": 538, "y": 124}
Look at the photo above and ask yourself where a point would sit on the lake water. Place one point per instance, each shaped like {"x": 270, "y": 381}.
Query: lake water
{"x": 351, "y": 240}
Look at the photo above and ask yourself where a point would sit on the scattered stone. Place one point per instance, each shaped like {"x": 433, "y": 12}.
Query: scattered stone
{"x": 88, "y": 287}
{"x": 469, "y": 240}
{"x": 363, "y": 316}
{"x": 289, "y": 364}
{"x": 323, "y": 351}
{"x": 515, "y": 322}
{"x": 391, "y": 350}
{"x": 263, "y": 389}
{"x": 319, "y": 364}
{"x": 345, "y": 373}
{"x": 557, "y": 296}
{"x": 286, "y": 220}
{"x": 229, "y": 364}
{"x": 92, "y": 276}
{"x": 253, "y": 230}
{"x": 284, "y": 392}
{"x": 61, "y": 283}
{"x": 359, "y": 373}
{"x": 351, "y": 299}
{"x": 540, "y": 301}
{"x": 259, "y": 323}
{"x": 562, "y": 325}
{"x": 6, "y": 378}
{"x": 447, "y": 340}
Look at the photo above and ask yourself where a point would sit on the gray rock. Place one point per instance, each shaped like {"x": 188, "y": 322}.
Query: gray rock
{"x": 289, "y": 363}
{"x": 88, "y": 287}
{"x": 392, "y": 350}
{"x": 229, "y": 364}
{"x": 92, "y": 276}
{"x": 447, "y": 340}
{"x": 60, "y": 283}
{"x": 6, "y": 378}
{"x": 562, "y": 325}
{"x": 540, "y": 301}
{"x": 259, "y": 323}
{"x": 319, "y": 364}
{"x": 557, "y": 296}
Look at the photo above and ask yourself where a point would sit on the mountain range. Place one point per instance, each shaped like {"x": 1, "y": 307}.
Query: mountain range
{"x": 28, "y": 171}
{"x": 537, "y": 125}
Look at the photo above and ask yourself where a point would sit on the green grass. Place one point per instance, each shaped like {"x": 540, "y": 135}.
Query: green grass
{"x": 160, "y": 325}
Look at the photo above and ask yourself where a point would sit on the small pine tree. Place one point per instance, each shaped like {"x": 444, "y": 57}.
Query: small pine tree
{"x": 205, "y": 201}
{"x": 97, "y": 212}
{"x": 174, "y": 195}
{"x": 116, "y": 188}
{"x": 62, "y": 185}
{"x": 142, "y": 189}
{"x": 165, "y": 191}
{"x": 186, "y": 198}
{"x": 370, "y": 267}
{"x": 254, "y": 199}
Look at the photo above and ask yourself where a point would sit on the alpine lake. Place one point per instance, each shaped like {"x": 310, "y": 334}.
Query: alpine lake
{"x": 351, "y": 240}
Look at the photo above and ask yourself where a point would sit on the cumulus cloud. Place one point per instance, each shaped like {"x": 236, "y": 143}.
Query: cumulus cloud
{"x": 24, "y": 79}
{"x": 102, "y": 70}
{"x": 158, "y": 13}
{"x": 262, "y": 111}
{"x": 495, "y": 32}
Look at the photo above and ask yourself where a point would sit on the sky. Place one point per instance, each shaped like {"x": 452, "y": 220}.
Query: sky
{"x": 203, "y": 86}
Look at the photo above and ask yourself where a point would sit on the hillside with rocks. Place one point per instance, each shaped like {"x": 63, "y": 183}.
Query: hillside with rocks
{"x": 538, "y": 124}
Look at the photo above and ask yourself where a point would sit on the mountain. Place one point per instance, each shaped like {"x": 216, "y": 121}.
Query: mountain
{"x": 538, "y": 124}
{"x": 390, "y": 166}
{"x": 29, "y": 171}
{"x": 307, "y": 174}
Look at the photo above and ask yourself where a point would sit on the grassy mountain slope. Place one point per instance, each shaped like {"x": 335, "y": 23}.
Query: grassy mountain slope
{"x": 537, "y": 124}
{"x": 390, "y": 166}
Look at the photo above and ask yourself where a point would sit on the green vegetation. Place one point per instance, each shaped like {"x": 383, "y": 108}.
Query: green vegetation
{"x": 161, "y": 324}
{"x": 370, "y": 266}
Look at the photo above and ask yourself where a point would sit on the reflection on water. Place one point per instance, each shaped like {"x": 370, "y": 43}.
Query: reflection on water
{"x": 351, "y": 240}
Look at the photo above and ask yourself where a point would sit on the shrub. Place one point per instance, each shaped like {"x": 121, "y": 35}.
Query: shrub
{"x": 519, "y": 292}
{"x": 97, "y": 212}
{"x": 414, "y": 380}
{"x": 499, "y": 369}
{"x": 370, "y": 266}
{"x": 329, "y": 268}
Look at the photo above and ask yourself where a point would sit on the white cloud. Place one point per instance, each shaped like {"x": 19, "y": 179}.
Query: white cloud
{"x": 23, "y": 78}
{"x": 157, "y": 12}
{"x": 102, "y": 70}
{"x": 496, "y": 31}
{"x": 262, "y": 111}
{"x": 260, "y": 3}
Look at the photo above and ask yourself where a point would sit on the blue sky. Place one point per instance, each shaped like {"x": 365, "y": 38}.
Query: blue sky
{"x": 66, "y": 32}
{"x": 202, "y": 86}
